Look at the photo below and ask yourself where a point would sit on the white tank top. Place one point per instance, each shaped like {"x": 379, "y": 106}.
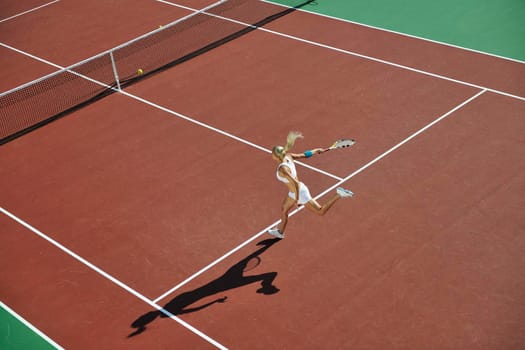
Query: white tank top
{"x": 287, "y": 161}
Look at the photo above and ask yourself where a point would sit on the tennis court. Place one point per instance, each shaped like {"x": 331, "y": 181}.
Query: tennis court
{"x": 134, "y": 205}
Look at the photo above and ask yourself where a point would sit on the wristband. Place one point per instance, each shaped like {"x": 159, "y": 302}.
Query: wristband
{"x": 308, "y": 154}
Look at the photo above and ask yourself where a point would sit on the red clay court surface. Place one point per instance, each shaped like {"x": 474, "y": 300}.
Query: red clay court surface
{"x": 160, "y": 196}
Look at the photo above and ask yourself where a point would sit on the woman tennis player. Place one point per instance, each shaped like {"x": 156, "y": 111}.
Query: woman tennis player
{"x": 298, "y": 193}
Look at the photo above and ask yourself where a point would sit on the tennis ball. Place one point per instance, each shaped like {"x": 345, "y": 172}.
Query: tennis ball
{"x": 140, "y": 71}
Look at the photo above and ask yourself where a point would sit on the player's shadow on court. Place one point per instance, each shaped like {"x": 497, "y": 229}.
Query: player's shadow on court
{"x": 233, "y": 278}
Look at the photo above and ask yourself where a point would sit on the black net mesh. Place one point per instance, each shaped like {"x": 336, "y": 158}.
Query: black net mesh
{"x": 36, "y": 104}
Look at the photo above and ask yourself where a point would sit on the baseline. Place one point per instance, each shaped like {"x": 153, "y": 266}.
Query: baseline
{"x": 401, "y": 33}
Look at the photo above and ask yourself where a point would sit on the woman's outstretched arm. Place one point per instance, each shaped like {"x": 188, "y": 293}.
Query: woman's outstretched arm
{"x": 308, "y": 153}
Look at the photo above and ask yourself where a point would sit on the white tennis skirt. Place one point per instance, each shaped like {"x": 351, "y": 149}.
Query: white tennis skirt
{"x": 304, "y": 194}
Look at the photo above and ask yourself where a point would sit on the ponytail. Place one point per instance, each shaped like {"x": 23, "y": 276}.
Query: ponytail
{"x": 290, "y": 139}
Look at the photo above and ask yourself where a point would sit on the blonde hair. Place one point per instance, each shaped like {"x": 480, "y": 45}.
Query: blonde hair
{"x": 280, "y": 151}
{"x": 290, "y": 139}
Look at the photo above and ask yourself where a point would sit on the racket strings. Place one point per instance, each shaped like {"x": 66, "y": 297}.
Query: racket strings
{"x": 343, "y": 143}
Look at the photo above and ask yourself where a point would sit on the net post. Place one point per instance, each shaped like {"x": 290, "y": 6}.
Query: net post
{"x": 117, "y": 80}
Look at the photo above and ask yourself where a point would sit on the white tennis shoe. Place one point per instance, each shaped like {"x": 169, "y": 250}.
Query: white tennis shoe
{"x": 343, "y": 193}
{"x": 276, "y": 233}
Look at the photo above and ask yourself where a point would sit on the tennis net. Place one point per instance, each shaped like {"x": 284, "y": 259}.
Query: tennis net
{"x": 37, "y": 103}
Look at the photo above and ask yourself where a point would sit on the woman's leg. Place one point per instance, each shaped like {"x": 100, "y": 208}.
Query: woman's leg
{"x": 287, "y": 205}
{"x": 319, "y": 209}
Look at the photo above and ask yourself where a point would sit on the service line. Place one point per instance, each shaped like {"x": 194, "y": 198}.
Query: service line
{"x": 372, "y": 162}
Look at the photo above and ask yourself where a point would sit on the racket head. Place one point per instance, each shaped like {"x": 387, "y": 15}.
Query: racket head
{"x": 343, "y": 143}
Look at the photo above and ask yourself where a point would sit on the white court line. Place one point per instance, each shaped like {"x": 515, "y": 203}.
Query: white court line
{"x": 399, "y": 33}
{"x": 30, "y": 326}
{"x": 215, "y": 262}
{"x": 219, "y": 131}
{"x": 28, "y": 11}
{"x": 112, "y": 279}
{"x": 180, "y": 115}
{"x": 351, "y": 53}
{"x": 373, "y": 161}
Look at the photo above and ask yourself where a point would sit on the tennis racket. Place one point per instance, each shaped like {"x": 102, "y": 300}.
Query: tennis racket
{"x": 342, "y": 143}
